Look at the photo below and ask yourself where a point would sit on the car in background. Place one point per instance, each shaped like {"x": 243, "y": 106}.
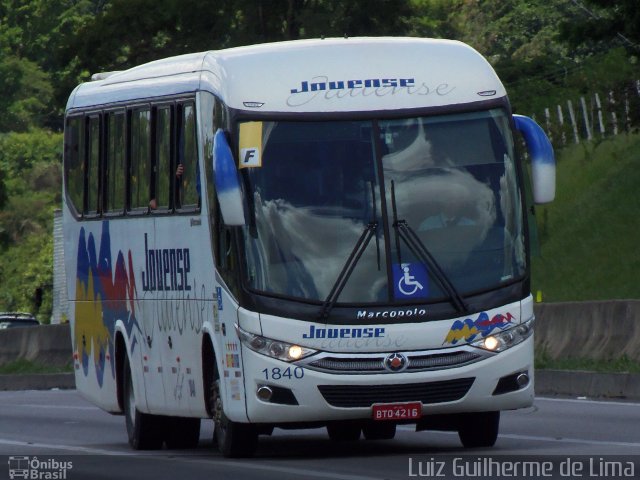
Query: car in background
{"x": 17, "y": 319}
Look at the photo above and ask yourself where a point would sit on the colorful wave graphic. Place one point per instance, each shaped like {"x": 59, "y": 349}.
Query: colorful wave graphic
{"x": 465, "y": 331}
{"x": 102, "y": 298}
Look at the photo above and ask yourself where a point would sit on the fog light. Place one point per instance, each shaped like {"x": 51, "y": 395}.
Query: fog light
{"x": 491, "y": 343}
{"x": 522, "y": 380}
{"x": 264, "y": 393}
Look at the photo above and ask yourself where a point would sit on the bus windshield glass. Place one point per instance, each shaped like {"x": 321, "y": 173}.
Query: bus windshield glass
{"x": 315, "y": 188}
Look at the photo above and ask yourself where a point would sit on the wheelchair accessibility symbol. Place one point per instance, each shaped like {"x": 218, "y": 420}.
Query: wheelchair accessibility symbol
{"x": 408, "y": 284}
{"x": 410, "y": 280}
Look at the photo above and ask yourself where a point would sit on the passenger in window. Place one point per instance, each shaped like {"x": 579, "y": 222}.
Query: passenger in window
{"x": 153, "y": 203}
{"x": 185, "y": 195}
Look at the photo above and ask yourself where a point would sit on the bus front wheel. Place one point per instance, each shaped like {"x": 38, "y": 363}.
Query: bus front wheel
{"x": 145, "y": 431}
{"x": 479, "y": 429}
{"x": 233, "y": 439}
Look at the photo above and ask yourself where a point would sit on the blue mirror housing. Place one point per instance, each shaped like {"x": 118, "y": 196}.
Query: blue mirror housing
{"x": 227, "y": 182}
{"x": 543, "y": 162}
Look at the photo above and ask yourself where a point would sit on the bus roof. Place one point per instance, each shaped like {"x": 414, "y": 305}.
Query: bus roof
{"x": 325, "y": 75}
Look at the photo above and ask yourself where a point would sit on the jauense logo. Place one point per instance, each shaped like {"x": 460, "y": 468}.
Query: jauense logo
{"x": 320, "y": 85}
{"x": 322, "y": 88}
{"x": 344, "y": 332}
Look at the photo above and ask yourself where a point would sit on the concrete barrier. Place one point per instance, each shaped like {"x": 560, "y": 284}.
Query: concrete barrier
{"x": 600, "y": 330}
{"x": 603, "y": 330}
{"x": 46, "y": 345}
{"x": 593, "y": 330}
{"x": 588, "y": 384}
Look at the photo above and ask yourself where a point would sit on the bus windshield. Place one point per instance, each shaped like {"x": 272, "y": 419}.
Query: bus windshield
{"x": 317, "y": 187}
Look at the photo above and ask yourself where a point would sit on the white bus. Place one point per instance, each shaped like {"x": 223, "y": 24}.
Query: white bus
{"x": 319, "y": 233}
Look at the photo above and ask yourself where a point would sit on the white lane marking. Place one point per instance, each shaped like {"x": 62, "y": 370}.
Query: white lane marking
{"x": 570, "y": 440}
{"x": 53, "y": 407}
{"x": 514, "y": 436}
{"x": 303, "y": 473}
{"x": 71, "y": 448}
{"x": 593, "y": 402}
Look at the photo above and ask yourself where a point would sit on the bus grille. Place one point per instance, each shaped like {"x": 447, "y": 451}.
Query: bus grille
{"x": 415, "y": 363}
{"x": 354, "y": 396}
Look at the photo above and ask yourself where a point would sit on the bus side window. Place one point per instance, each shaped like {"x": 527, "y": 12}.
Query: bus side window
{"x": 74, "y": 166}
{"x": 162, "y": 175}
{"x": 140, "y": 160}
{"x": 115, "y": 168}
{"x": 93, "y": 197}
{"x": 188, "y": 178}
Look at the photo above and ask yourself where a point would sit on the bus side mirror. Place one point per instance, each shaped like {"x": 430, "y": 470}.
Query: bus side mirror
{"x": 543, "y": 163}
{"x": 227, "y": 182}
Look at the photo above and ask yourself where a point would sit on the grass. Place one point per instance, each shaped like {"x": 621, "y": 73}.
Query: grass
{"x": 618, "y": 365}
{"x": 589, "y": 236}
{"x": 21, "y": 367}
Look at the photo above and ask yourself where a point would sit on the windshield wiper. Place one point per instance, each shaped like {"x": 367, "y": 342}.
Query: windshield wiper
{"x": 347, "y": 270}
{"x": 352, "y": 261}
{"x": 419, "y": 249}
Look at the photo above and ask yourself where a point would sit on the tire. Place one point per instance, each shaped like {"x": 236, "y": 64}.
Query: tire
{"x": 145, "y": 432}
{"x": 379, "y": 430}
{"x": 344, "y": 431}
{"x": 182, "y": 432}
{"x": 234, "y": 439}
{"x": 479, "y": 429}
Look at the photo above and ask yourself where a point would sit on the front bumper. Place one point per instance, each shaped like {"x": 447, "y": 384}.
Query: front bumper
{"x": 310, "y": 395}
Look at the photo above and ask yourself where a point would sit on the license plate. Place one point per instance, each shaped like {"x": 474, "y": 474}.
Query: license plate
{"x": 397, "y": 411}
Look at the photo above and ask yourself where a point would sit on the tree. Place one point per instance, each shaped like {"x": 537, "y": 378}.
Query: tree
{"x": 126, "y": 33}
{"x": 3, "y": 194}
{"x": 30, "y": 167}
{"x": 602, "y": 22}
{"x": 27, "y": 94}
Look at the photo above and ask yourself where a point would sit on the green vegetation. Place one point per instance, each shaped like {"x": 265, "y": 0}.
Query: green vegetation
{"x": 30, "y": 163}
{"x": 589, "y": 236}
{"x": 545, "y": 51}
{"x": 618, "y": 365}
{"x": 21, "y": 367}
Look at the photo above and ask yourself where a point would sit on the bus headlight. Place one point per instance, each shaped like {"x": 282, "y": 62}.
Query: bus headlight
{"x": 287, "y": 352}
{"x": 501, "y": 341}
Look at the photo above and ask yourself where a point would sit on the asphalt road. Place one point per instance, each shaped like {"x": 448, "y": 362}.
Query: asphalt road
{"x": 57, "y": 434}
